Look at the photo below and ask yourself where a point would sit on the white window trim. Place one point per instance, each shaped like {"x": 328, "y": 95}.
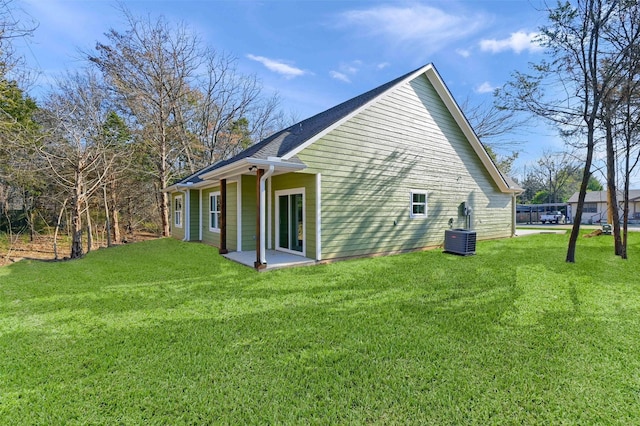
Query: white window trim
{"x": 211, "y": 227}
{"x": 177, "y": 214}
{"x": 411, "y": 203}
{"x": 304, "y": 220}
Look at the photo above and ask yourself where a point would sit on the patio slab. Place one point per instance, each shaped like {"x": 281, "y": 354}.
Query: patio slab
{"x": 275, "y": 259}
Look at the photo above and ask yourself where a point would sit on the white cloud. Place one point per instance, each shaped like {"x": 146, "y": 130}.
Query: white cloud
{"x": 383, "y": 65}
{"x": 345, "y": 70}
{"x": 277, "y": 66}
{"x": 428, "y": 26}
{"x": 339, "y": 76}
{"x": 485, "y": 87}
{"x": 465, "y": 53}
{"x": 518, "y": 42}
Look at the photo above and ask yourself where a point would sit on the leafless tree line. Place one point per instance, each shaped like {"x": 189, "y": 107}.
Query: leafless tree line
{"x": 152, "y": 105}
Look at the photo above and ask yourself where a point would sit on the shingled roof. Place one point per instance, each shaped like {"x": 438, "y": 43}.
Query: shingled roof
{"x": 286, "y": 140}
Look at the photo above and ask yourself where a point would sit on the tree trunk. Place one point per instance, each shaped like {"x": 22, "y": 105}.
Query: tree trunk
{"x": 164, "y": 197}
{"x": 164, "y": 213}
{"x": 76, "y": 226}
{"x": 55, "y": 232}
{"x": 89, "y": 229}
{"x": 625, "y": 212}
{"x": 32, "y": 229}
{"x": 106, "y": 214}
{"x": 115, "y": 214}
{"x": 612, "y": 198}
{"x": 586, "y": 175}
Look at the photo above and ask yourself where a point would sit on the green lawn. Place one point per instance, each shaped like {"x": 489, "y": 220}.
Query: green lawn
{"x": 166, "y": 332}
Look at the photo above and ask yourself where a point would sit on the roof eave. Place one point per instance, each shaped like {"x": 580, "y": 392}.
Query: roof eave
{"x": 244, "y": 165}
{"x": 179, "y": 187}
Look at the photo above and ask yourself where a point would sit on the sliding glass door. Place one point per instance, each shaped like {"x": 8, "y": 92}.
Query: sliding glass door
{"x": 290, "y": 219}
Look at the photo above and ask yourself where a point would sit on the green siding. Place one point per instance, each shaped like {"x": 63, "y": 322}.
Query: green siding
{"x": 208, "y": 236}
{"x": 176, "y": 232}
{"x": 232, "y": 216}
{"x": 291, "y": 181}
{"x": 194, "y": 215}
{"x": 249, "y": 212}
{"x": 213, "y": 238}
{"x": 407, "y": 140}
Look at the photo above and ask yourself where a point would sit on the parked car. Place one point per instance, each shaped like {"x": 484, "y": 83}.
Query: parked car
{"x": 552, "y": 217}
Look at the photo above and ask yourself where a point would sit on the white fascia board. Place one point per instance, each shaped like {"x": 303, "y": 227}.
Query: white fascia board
{"x": 228, "y": 170}
{"x": 179, "y": 187}
{"x": 183, "y": 186}
{"x": 198, "y": 185}
{"x": 278, "y": 163}
{"x": 348, "y": 117}
{"x": 242, "y": 167}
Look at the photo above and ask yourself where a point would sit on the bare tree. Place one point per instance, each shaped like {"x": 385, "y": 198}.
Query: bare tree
{"x": 621, "y": 118}
{"x": 495, "y": 126}
{"x": 11, "y": 28}
{"x": 191, "y": 106}
{"x": 230, "y": 111}
{"x": 629, "y": 129}
{"x": 117, "y": 160}
{"x": 151, "y": 66}
{"x": 569, "y": 90}
{"x": 558, "y": 171}
{"x": 74, "y": 150}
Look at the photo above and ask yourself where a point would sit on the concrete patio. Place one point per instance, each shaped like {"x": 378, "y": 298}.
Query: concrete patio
{"x": 275, "y": 259}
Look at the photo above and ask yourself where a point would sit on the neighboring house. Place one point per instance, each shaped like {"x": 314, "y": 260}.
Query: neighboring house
{"x": 384, "y": 172}
{"x": 595, "y": 209}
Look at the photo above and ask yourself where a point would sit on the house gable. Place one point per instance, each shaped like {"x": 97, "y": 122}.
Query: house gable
{"x": 447, "y": 101}
{"x": 409, "y": 141}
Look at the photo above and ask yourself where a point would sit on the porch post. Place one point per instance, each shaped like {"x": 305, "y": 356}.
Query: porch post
{"x": 223, "y": 217}
{"x": 258, "y": 264}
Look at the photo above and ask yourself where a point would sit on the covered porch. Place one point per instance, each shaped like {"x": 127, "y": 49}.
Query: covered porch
{"x": 265, "y": 213}
{"x": 275, "y": 259}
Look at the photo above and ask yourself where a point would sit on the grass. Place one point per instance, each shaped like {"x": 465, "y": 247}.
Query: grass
{"x": 165, "y": 332}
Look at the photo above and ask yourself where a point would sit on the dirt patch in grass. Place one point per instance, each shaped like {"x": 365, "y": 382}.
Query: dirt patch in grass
{"x": 16, "y": 248}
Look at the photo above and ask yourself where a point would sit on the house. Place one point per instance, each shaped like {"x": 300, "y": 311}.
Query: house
{"x": 385, "y": 172}
{"x": 595, "y": 209}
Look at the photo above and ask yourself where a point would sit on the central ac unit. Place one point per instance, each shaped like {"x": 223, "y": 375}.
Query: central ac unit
{"x": 460, "y": 241}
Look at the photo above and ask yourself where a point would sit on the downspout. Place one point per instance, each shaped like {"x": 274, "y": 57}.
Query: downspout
{"x": 263, "y": 197}
{"x": 200, "y": 215}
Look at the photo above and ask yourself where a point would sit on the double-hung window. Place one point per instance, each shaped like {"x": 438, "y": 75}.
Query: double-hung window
{"x": 418, "y": 206}
{"x": 214, "y": 211}
{"x": 177, "y": 211}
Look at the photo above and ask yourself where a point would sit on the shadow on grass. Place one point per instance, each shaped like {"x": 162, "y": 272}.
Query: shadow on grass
{"x": 171, "y": 332}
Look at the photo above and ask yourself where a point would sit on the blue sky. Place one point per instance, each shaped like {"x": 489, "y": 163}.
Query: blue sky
{"x": 318, "y": 53}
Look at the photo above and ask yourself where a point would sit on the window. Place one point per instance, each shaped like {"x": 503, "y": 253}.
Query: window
{"x": 177, "y": 210}
{"x": 214, "y": 211}
{"x": 418, "y": 204}
{"x": 590, "y": 208}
